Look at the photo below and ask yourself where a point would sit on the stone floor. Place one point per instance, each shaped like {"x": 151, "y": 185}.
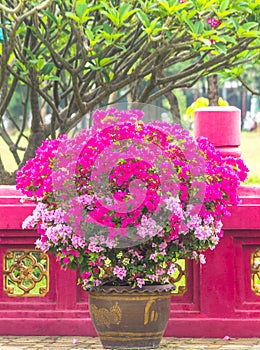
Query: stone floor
{"x": 87, "y": 343}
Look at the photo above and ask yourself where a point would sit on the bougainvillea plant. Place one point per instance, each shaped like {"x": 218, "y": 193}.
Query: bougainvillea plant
{"x": 123, "y": 200}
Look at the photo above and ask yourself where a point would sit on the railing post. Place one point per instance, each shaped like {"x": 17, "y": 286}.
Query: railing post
{"x": 221, "y": 125}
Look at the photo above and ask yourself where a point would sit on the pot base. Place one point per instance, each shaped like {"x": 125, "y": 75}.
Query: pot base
{"x": 131, "y": 343}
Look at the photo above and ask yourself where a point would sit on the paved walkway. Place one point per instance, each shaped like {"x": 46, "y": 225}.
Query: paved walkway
{"x": 86, "y": 343}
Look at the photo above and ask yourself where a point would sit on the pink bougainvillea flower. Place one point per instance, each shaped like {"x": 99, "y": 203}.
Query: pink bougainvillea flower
{"x": 66, "y": 260}
{"x": 213, "y": 22}
{"x": 123, "y": 200}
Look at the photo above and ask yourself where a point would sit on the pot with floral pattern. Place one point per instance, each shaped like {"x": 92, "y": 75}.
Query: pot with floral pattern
{"x": 130, "y": 318}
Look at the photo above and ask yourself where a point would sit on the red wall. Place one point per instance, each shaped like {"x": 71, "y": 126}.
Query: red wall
{"x": 219, "y": 300}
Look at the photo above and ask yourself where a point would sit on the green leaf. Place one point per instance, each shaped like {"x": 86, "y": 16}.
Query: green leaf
{"x": 221, "y": 48}
{"x": 127, "y": 15}
{"x": 21, "y": 29}
{"x": 32, "y": 62}
{"x": 111, "y": 14}
{"x": 104, "y": 61}
{"x": 93, "y": 67}
{"x": 243, "y": 7}
{"x": 106, "y": 76}
{"x": 198, "y": 27}
{"x": 224, "y": 5}
{"x": 153, "y": 27}
{"x": 107, "y": 28}
{"x": 81, "y": 8}
{"x": 51, "y": 77}
{"x": 237, "y": 71}
{"x": 89, "y": 34}
{"x": 249, "y": 25}
{"x": 143, "y": 18}
{"x": 166, "y": 6}
{"x": 80, "y": 259}
{"x": 20, "y": 65}
{"x": 248, "y": 34}
{"x": 116, "y": 36}
{"x": 124, "y": 9}
{"x": 29, "y": 52}
{"x": 47, "y": 68}
{"x": 235, "y": 22}
{"x": 207, "y": 42}
{"x": 72, "y": 16}
{"x": 41, "y": 51}
{"x": 190, "y": 24}
{"x": 179, "y": 6}
{"x": 73, "y": 265}
{"x": 50, "y": 16}
{"x": 229, "y": 39}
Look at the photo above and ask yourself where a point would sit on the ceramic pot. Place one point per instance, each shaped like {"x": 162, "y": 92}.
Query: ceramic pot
{"x": 127, "y": 318}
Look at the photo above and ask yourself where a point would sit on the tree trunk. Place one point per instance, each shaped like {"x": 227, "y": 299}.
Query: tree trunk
{"x": 174, "y": 107}
{"x": 173, "y": 101}
{"x": 6, "y": 178}
{"x": 213, "y": 90}
{"x": 37, "y": 131}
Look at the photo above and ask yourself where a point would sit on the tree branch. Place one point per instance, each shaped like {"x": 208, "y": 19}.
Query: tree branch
{"x": 14, "y": 10}
{"x": 253, "y": 92}
{"x": 35, "y": 9}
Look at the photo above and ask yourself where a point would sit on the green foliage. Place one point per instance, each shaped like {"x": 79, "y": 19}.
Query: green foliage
{"x": 98, "y": 26}
{"x": 253, "y": 180}
{"x": 15, "y": 108}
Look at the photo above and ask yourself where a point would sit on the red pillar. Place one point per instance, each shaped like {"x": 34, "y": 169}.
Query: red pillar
{"x": 221, "y": 125}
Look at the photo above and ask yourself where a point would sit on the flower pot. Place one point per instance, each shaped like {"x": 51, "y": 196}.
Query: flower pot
{"x": 127, "y": 318}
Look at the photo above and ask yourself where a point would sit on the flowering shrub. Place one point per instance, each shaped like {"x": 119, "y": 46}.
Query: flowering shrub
{"x": 123, "y": 200}
{"x": 213, "y": 22}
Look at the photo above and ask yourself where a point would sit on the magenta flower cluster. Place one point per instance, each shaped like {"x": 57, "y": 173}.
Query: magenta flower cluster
{"x": 123, "y": 200}
{"x": 214, "y": 22}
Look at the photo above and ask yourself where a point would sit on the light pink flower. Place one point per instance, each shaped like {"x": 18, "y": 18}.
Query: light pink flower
{"x": 227, "y": 337}
{"x": 120, "y": 272}
{"x": 140, "y": 282}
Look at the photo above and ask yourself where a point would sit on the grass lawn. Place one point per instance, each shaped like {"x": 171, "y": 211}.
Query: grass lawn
{"x": 7, "y": 156}
{"x": 250, "y": 147}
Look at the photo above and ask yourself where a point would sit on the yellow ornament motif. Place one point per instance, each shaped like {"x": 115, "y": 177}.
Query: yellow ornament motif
{"x": 105, "y": 316}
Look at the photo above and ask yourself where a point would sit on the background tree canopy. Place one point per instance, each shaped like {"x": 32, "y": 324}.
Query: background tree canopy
{"x": 67, "y": 58}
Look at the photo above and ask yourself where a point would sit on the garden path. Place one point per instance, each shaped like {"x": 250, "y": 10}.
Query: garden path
{"x": 87, "y": 343}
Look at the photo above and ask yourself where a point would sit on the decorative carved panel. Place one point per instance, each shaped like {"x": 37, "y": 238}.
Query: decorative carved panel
{"x": 26, "y": 273}
{"x": 179, "y": 278}
{"x": 255, "y": 272}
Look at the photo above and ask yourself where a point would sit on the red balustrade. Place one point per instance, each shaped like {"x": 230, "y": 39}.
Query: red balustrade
{"x": 222, "y": 296}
